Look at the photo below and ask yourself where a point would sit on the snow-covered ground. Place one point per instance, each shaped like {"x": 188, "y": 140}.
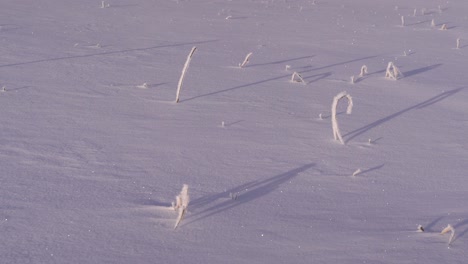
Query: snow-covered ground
{"x": 90, "y": 160}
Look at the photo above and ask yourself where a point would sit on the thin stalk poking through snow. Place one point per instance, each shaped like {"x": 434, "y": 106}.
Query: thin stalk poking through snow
{"x": 452, "y": 233}
{"x": 184, "y": 70}
{"x": 182, "y": 201}
{"x": 336, "y": 129}
{"x": 246, "y": 60}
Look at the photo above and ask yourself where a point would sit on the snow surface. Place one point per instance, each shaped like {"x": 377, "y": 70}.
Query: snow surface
{"x": 91, "y": 160}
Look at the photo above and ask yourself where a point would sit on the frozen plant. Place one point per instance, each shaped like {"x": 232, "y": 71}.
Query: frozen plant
{"x": 184, "y": 70}
{"x": 402, "y": 21}
{"x": 336, "y": 130}
{"x": 433, "y": 23}
{"x": 246, "y": 60}
{"x": 287, "y": 67}
{"x": 452, "y": 233}
{"x": 363, "y": 71}
{"x": 181, "y": 204}
{"x": 443, "y": 27}
{"x": 297, "y": 78}
{"x": 414, "y": 12}
{"x": 420, "y": 228}
{"x": 458, "y": 43}
{"x": 143, "y": 86}
{"x": 104, "y": 5}
{"x": 357, "y": 172}
{"x": 353, "y": 79}
{"x": 234, "y": 196}
{"x": 393, "y": 72}
{"x": 4, "y": 88}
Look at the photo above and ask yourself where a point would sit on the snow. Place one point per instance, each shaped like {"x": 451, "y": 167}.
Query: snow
{"x": 91, "y": 159}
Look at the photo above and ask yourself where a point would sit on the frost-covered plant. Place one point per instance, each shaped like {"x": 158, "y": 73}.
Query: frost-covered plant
{"x": 104, "y": 5}
{"x": 297, "y": 78}
{"x": 143, "y": 86}
{"x": 443, "y": 27}
{"x": 234, "y": 196}
{"x": 184, "y": 70}
{"x": 393, "y": 72}
{"x": 458, "y": 43}
{"x": 420, "y": 228}
{"x": 433, "y": 23}
{"x": 357, "y": 172}
{"x": 336, "y": 130}
{"x": 353, "y": 79}
{"x": 4, "y": 89}
{"x": 181, "y": 204}
{"x": 402, "y": 21}
{"x": 452, "y": 233}
{"x": 246, "y": 60}
{"x": 363, "y": 71}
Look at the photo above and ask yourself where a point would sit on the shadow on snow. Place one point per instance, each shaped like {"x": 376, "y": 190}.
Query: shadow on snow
{"x": 247, "y": 193}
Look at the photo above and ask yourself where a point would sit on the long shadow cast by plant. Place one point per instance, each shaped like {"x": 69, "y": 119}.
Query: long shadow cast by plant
{"x": 318, "y": 77}
{"x": 372, "y": 169}
{"x": 431, "y": 225}
{"x": 458, "y": 226}
{"x": 426, "y": 103}
{"x": 344, "y": 62}
{"x": 421, "y": 70}
{"x": 237, "y": 87}
{"x": 250, "y": 191}
{"x": 105, "y": 53}
{"x": 275, "y": 78}
{"x": 279, "y": 62}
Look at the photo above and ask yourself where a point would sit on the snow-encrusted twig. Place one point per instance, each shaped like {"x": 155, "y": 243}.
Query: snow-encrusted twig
{"x": 104, "y": 5}
{"x": 393, "y": 72}
{"x": 297, "y": 78}
{"x": 458, "y": 43}
{"x": 182, "y": 201}
{"x": 336, "y": 130}
{"x": 363, "y": 71}
{"x": 143, "y": 86}
{"x": 452, "y": 233}
{"x": 357, "y": 172}
{"x": 246, "y": 60}
{"x": 184, "y": 70}
{"x": 420, "y": 228}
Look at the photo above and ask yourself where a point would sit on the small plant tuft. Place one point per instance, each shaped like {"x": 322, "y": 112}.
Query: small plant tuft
{"x": 297, "y": 78}
{"x": 393, "y": 72}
